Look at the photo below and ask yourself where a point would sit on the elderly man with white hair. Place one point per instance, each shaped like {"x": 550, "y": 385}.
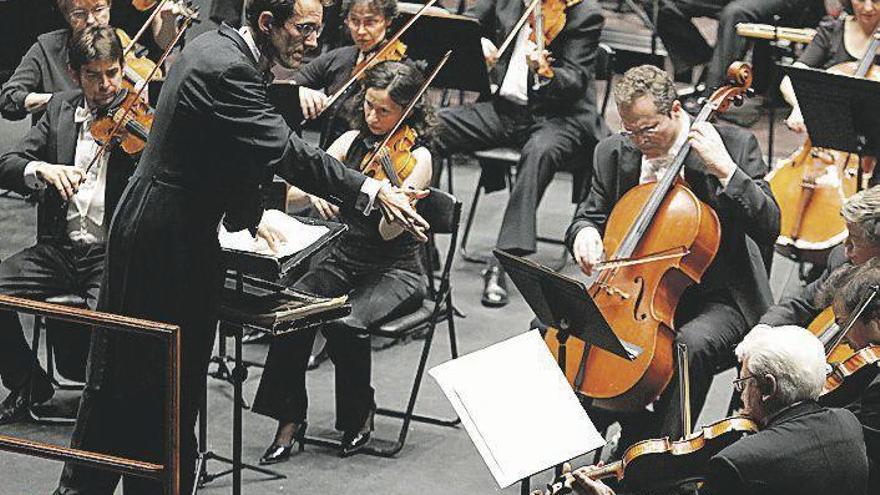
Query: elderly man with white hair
{"x": 802, "y": 447}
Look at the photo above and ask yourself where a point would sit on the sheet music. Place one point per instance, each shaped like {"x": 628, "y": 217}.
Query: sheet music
{"x": 299, "y": 236}
{"x": 517, "y": 407}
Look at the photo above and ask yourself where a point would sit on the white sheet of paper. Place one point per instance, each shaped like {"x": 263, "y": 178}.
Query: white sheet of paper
{"x": 299, "y": 236}
{"x": 517, "y": 407}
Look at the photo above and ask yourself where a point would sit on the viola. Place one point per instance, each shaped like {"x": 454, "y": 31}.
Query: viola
{"x": 394, "y": 161}
{"x": 660, "y": 463}
{"x": 125, "y": 123}
{"x": 547, "y": 21}
{"x": 811, "y": 185}
{"x": 639, "y": 301}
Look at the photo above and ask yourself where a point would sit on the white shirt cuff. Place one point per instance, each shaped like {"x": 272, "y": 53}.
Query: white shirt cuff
{"x": 726, "y": 180}
{"x": 370, "y": 188}
{"x": 30, "y": 176}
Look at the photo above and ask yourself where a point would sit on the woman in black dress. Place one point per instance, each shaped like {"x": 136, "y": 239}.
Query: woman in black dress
{"x": 376, "y": 264}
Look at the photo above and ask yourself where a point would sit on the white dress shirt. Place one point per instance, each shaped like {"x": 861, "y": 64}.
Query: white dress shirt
{"x": 514, "y": 87}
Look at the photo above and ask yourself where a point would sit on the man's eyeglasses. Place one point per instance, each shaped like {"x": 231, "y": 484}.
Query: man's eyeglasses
{"x": 643, "y": 133}
{"x": 739, "y": 384}
{"x": 83, "y": 14}
{"x": 307, "y": 29}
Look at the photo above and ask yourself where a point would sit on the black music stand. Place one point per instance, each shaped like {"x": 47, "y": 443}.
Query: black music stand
{"x": 563, "y": 303}
{"x": 841, "y": 112}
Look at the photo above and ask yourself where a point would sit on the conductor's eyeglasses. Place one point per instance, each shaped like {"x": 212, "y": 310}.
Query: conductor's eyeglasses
{"x": 307, "y": 29}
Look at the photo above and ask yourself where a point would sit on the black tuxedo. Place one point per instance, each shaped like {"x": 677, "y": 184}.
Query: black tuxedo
{"x": 54, "y": 266}
{"x": 805, "y": 450}
{"x": 713, "y": 316}
{"x": 215, "y": 140}
{"x": 801, "y": 309}
{"x": 43, "y": 69}
{"x": 866, "y": 407}
{"x": 559, "y": 123}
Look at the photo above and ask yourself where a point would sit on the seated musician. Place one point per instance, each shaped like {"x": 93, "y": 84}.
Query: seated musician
{"x": 840, "y": 40}
{"x": 368, "y": 22}
{"x": 76, "y": 205}
{"x": 552, "y": 123}
{"x": 845, "y": 289}
{"x": 689, "y": 49}
{"x": 860, "y": 212}
{"x": 802, "y": 447}
{"x": 43, "y": 70}
{"x": 725, "y": 170}
{"x": 375, "y": 263}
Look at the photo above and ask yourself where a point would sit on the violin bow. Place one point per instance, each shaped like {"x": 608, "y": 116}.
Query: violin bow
{"x": 393, "y": 178}
{"x": 853, "y": 318}
{"x": 369, "y": 62}
{"x": 153, "y": 14}
{"x": 519, "y": 24}
{"x": 126, "y": 110}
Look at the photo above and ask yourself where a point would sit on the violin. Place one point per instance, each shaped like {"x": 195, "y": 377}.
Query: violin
{"x": 125, "y": 123}
{"x": 183, "y": 8}
{"x": 394, "y": 161}
{"x": 850, "y": 376}
{"x": 811, "y": 185}
{"x": 547, "y": 21}
{"x": 392, "y": 158}
{"x": 826, "y": 329}
{"x": 394, "y": 51}
{"x": 639, "y": 301}
{"x": 137, "y": 68}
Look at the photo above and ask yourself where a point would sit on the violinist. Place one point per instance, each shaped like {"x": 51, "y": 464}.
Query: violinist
{"x": 75, "y": 208}
{"x": 861, "y": 213}
{"x": 844, "y": 39}
{"x": 368, "y": 22}
{"x": 551, "y": 122}
{"x": 802, "y": 447}
{"x": 377, "y": 264}
{"x": 43, "y": 70}
{"x": 725, "y": 170}
{"x": 845, "y": 290}
{"x": 215, "y": 141}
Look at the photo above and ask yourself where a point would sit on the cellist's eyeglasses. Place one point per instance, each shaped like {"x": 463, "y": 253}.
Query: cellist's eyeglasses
{"x": 643, "y": 133}
{"x": 83, "y": 14}
{"x": 307, "y": 29}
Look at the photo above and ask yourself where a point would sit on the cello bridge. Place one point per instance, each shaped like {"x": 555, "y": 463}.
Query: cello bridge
{"x": 613, "y": 291}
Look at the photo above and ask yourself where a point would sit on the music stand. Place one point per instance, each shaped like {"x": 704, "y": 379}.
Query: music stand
{"x": 840, "y": 112}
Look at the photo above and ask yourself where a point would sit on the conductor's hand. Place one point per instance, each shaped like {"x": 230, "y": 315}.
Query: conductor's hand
{"x": 271, "y": 235}
{"x": 64, "y": 178}
{"x": 490, "y": 52}
{"x": 312, "y": 102}
{"x": 36, "y": 102}
{"x": 795, "y": 121}
{"x": 397, "y": 207}
{"x": 327, "y": 210}
{"x": 588, "y": 249}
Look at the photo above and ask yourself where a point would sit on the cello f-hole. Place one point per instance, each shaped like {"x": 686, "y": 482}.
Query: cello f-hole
{"x": 639, "y": 315}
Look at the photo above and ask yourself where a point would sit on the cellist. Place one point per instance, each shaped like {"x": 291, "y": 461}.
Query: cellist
{"x": 377, "y": 264}
{"x": 368, "y": 22}
{"x": 725, "y": 170}
{"x": 802, "y": 447}
{"x": 845, "y": 290}
{"x": 840, "y": 40}
{"x": 43, "y": 70}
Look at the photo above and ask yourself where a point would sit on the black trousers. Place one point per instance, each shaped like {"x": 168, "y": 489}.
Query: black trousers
{"x": 711, "y": 330}
{"x": 687, "y": 47}
{"x": 375, "y": 295}
{"x": 40, "y": 272}
{"x": 548, "y": 144}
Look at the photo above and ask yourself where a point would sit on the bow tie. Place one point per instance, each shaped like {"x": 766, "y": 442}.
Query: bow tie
{"x": 82, "y": 115}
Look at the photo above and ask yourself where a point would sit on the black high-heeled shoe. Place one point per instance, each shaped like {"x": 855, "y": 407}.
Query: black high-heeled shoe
{"x": 280, "y": 453}
{"x": 355, "y": 441}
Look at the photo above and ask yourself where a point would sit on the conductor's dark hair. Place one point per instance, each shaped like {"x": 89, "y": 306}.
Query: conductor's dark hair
{"x": 388, "y": 8}
{"x": 402, "y": 80}
{"x": 65, "y": 5}
{"x": 94, "y": 43}
{"x": 281, "y": 10}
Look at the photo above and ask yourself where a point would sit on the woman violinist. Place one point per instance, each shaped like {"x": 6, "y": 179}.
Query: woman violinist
{"x": 368, "y": 22}
{"x": 841, "y": 40}
{"x": 44, "y": 69}
{"x": 845, "y": 289}
{"x": 375, "y": 263}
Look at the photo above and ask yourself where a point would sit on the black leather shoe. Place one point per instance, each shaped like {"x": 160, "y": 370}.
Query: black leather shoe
{"x": 15, "y": 406}
{"x": 494, "y": 287}
{"x": 280, "y": 453}
{"x": 355, "y": 441}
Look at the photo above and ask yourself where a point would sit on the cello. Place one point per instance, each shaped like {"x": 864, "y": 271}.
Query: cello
{"x": 639, "y": 301}
{"x": 811, "y": 185}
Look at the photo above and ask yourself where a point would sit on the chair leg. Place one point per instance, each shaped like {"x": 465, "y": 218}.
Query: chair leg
{"x": 472, "y": 213}
{"x": 450, "y": 322}
{"x": 448, "y": 162}
{"x": 39, "y": 326}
